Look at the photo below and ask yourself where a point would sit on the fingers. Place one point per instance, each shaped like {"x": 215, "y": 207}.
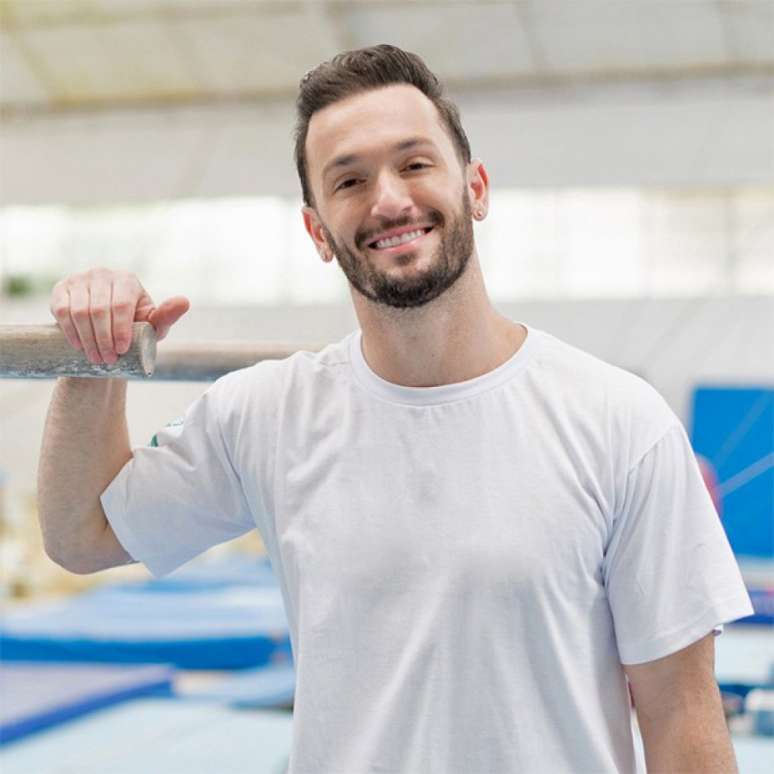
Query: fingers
{"x": 167, "y": 314}
{"x": 101, "y": 317}
{"x": 95, "y": 310}
{"x": 60, "y": 308}
{"x": 79, "y": 314}
{"x": 123, "y": 308}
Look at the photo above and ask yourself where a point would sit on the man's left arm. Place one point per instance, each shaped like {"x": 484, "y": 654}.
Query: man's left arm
{"x": 680, "y": 712}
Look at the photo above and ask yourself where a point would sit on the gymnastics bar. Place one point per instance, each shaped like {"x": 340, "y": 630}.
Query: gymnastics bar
{"x": 43, "y": 352}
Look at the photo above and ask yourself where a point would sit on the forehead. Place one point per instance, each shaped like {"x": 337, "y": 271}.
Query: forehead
{"x": 370, "y": 122}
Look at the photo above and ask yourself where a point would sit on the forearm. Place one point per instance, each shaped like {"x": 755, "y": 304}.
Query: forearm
{"x": 690, "y": 738}
{"x": 85, "y": 444}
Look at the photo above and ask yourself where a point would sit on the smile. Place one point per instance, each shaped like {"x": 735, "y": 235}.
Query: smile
{"x": 400, "y": 241}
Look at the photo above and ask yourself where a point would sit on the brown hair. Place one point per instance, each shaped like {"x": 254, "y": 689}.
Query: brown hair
{"x": 353, "y": 72}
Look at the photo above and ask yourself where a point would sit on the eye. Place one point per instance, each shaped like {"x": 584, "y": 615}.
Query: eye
{"x": 417, "y": 165}
{"x": 346, "y": 183}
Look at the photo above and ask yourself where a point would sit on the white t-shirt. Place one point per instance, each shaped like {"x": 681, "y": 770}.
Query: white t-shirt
{"x": 464, "y": 567}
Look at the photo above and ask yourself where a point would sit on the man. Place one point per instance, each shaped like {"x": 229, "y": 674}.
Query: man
{"x": 479, "y": 531}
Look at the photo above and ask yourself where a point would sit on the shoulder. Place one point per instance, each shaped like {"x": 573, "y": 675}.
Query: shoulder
{"x": 594, "y": 378}
{"x": 632, "y": 411}
{"x": 268, "y": 383}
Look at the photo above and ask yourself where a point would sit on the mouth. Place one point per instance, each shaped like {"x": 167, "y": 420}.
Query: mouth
{"x": 406, "y": 241}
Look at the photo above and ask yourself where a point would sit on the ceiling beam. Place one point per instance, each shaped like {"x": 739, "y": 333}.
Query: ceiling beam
{"x": 743, "y": 78}
{"x": 34, "y": 64}
{"x": 69, "y": 14}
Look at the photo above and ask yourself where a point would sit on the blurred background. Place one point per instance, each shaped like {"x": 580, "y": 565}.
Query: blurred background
{"x": 630, "y": 148}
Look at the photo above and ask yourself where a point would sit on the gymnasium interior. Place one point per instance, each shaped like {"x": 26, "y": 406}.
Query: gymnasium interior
{"x": 630, "y": 153}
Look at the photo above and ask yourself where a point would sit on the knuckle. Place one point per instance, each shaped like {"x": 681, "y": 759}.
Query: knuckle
{"x": 60, "y": 311}
{"x": 100, "y": 312}
{"x": 80, "y": 314}
{"x": 123, "y": 308}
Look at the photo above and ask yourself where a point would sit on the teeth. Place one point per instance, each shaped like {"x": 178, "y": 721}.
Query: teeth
{"x": 399, "y": 240}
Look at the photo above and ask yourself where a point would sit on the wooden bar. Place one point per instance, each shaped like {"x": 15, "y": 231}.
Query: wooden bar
{"x": 43, "y": 352}
{"x": 207, "y": 361}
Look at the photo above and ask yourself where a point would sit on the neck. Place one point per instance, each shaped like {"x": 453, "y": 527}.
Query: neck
{"x": 456, "y": 337}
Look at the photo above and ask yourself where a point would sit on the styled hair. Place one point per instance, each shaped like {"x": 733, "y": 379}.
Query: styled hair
{"x": 364, "y": 69}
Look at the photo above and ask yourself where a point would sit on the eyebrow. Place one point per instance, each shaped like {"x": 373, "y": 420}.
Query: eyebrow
{"x": 350, "y": 158}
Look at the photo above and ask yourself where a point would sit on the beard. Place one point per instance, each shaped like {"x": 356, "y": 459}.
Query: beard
{"x": 449, "y": 263}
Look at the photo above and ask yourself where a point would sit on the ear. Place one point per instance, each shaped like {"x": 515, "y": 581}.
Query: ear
{"x": 313, "y": 227}
{"x": 478, "y": 188}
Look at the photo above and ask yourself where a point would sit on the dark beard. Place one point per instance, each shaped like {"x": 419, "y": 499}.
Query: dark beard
{"x": 450, "y": 261}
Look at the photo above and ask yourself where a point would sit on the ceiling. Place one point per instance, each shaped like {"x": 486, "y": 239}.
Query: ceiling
{"x": 62, "y": 55}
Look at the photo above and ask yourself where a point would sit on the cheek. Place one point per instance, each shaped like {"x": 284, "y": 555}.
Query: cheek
{"x": 437, "y": 194}
{"x": 337, "y": 226}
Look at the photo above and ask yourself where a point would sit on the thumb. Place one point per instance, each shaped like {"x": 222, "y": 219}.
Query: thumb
{"x": 166, "y": 314}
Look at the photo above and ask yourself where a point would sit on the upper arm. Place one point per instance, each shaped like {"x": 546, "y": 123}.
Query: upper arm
{"x": 669, "y": 571}
{"x": 668, "y": 683}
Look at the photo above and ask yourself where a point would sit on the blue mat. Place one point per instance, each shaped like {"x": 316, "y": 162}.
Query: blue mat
{"x": 262, "y": 688}
{"x": 744, "y": 655}
{"x": 731, "y": 428}
{"x": 218, "y": 617}
{"x": 763, "y": 604}
{"x": 236, "y": 570}
{"x": 152, "y": 735}
{"x": 38, "y": 696}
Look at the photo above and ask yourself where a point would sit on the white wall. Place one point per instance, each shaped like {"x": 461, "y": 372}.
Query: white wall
{"x": 691, "y": 133}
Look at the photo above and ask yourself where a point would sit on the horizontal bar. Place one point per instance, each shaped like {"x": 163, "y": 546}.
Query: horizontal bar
{"x": 207, "y": 361}
{"x": 43, "y": 352}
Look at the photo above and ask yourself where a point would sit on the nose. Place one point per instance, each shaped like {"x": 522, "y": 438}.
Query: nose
{"x": 391, "y": 196}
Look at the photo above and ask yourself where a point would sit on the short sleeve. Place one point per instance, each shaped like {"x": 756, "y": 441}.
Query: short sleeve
{"x": 670, "y": 574}
{"x": 180, "y": 495}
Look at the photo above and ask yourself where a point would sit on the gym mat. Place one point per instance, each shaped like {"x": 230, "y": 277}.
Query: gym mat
{"x": 264, "y": 687}
{"x": 39, "y": 696}
{"x": 203, "y": 619}
{"x": 156, "y": 735}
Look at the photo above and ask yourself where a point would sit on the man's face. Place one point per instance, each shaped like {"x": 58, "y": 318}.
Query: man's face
{"x": 383, "y": 170}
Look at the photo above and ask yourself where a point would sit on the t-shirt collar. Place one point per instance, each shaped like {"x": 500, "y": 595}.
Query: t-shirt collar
{"x": 445, "y": 393}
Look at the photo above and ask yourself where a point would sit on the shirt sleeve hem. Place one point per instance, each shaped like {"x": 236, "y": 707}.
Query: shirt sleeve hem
{"x": 724, "y": 612}
{"x": 112, "y": 504}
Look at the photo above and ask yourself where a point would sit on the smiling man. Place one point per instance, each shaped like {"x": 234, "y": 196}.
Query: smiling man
{"x": 391, "y": 193}
{"x": 482, "y": 534}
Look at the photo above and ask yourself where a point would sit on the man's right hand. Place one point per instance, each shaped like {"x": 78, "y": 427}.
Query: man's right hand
{"x": 96, "y": 309}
